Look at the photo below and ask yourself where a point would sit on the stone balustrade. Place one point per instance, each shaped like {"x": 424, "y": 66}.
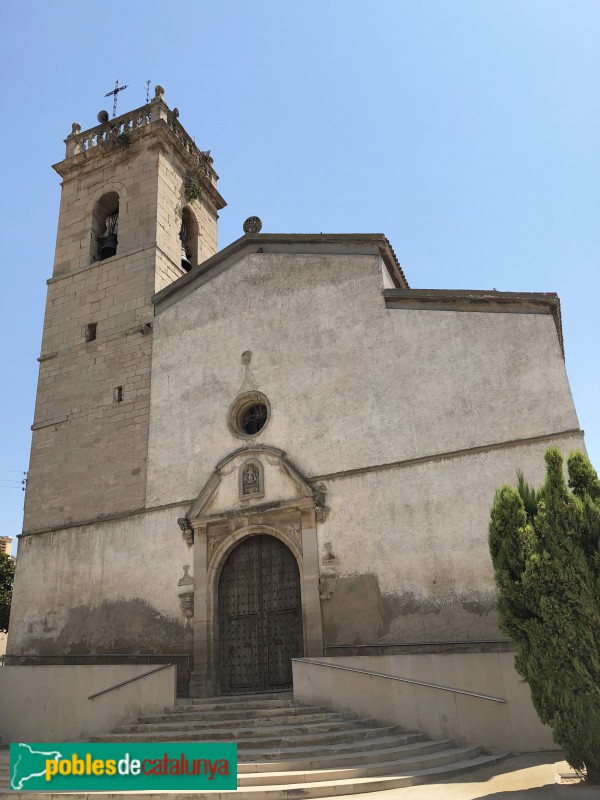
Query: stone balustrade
{"x": 81, "y": 142}
{"x": 117, "y": 131}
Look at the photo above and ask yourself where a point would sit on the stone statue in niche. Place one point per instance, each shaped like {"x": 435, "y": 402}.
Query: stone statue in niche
{"x": 251, "y": 479}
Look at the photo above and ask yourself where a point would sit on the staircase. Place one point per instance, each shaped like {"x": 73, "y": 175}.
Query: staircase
{"x": 286, "y": 750}
{"x": 4, "y": 774}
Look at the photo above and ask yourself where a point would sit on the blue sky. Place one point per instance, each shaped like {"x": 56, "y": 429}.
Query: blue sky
{"x": 466, "y": 131}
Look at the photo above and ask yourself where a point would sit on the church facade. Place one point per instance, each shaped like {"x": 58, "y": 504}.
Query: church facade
{"x": 263, "y": 452}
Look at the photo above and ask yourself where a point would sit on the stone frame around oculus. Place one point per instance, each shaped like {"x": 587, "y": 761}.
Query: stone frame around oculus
{"x": 214, "y": 536}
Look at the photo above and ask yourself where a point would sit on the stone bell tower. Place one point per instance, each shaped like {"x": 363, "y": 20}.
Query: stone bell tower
{"x": 139, "y": 208}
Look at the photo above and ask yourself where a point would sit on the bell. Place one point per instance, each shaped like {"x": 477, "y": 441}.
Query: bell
{"x": 109, "y": 246}
{"x": 185, "y": 261}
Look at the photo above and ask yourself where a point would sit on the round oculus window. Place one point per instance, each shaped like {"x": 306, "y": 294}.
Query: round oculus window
{"x": 248, "y": 415}
{"x": 254, "y": 418}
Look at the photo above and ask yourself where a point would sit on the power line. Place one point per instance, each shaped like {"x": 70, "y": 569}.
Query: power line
{"x": 20, "y": 471}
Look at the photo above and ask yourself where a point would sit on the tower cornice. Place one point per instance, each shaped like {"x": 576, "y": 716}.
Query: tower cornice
{"x": 112, "y": 139}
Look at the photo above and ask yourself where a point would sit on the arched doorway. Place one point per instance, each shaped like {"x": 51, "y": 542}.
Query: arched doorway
{"x": 260, "y": 616}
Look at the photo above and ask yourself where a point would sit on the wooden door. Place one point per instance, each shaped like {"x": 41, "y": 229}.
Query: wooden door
{"x": 260, "y": 616}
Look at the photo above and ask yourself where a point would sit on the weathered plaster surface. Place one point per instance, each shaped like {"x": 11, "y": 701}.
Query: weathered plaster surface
{"x": 351, "y": 383}
{"x": 112, "y": 588}
{"x": 412, "y": 547}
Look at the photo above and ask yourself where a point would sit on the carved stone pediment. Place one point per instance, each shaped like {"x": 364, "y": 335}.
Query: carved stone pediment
{"x": 249, "y": 481}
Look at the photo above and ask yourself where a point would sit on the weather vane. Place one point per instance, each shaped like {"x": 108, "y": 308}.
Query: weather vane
{"x": 115, "y": 92}
{"x": 147, "y": 92}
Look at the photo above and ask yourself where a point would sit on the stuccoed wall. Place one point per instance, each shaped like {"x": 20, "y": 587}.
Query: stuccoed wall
{"x": 351, "y": 383}
{"x": 510, "y": 726}
{"x": 108, "y": 587}
{"x": 354, "y": 386}
{"x": 50, "y": 704}
{"x": 414, "y": 561}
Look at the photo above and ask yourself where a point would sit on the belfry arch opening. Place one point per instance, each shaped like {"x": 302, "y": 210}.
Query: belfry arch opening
{"x": 188, "y": 235}
{"x": 260, "y": 616}
{"x": 105, "y": 227}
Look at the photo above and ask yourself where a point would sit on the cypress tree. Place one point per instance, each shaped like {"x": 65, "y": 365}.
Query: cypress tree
{"x": 545, "y": 548}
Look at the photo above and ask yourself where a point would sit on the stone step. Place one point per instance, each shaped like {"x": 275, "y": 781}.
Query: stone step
{"x": 318, "y": 789}
{"x": 348, "y": 758}
{"x": 308, "y": 750}
{"x": 210, "y": 729}
{"x": 416, "y": 762}
{"x": 312, "y": 789}
{"x": 255, "y": 698}
{"x": 236, "y": 715}
{"x": 199, "y": 722}
{"x": 218, "y": 704}
{"x": 289, "y": 751}
{"x": 252, "y": 740}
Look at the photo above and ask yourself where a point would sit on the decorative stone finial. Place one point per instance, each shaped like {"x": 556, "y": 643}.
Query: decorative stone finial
{"x": 176, "y": 113}
{"x": 329, "y": 558}
{"x": 187, "y": 579}
{"x": 102, "y": 116}
{"x": 75, "y": 128}
{"x": 252, "y": 225}
{"x": 249, "y": 383}
{"x": 158, "y": 91}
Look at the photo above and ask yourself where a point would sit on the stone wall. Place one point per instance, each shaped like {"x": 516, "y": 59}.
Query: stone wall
{"x": 88, "y": 455}
{"x": 89, "y": 448}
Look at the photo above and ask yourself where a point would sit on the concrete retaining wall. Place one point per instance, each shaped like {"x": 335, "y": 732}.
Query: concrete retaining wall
{"x": 512, "y": 726}
{"x": 50, "y": 703}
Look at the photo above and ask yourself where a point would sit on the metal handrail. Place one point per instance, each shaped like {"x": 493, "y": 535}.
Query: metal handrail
{"x": 403, "y": 680}
{"x": 384, "y": 646}
{"x": 130, "y": 680}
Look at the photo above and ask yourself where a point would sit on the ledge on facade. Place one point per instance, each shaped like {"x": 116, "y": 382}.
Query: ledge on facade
{"x": 322, "y": 243}
{"x": 47, "y": 423}
{"x": 489, "y": 301}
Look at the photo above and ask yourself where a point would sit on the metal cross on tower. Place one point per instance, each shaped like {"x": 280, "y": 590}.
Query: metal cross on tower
{"x": 115, "y": 92}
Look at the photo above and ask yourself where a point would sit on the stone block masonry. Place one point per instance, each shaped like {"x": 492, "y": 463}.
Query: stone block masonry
{"x": 90, "y": 428}
{"x": 88, "y": 454}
